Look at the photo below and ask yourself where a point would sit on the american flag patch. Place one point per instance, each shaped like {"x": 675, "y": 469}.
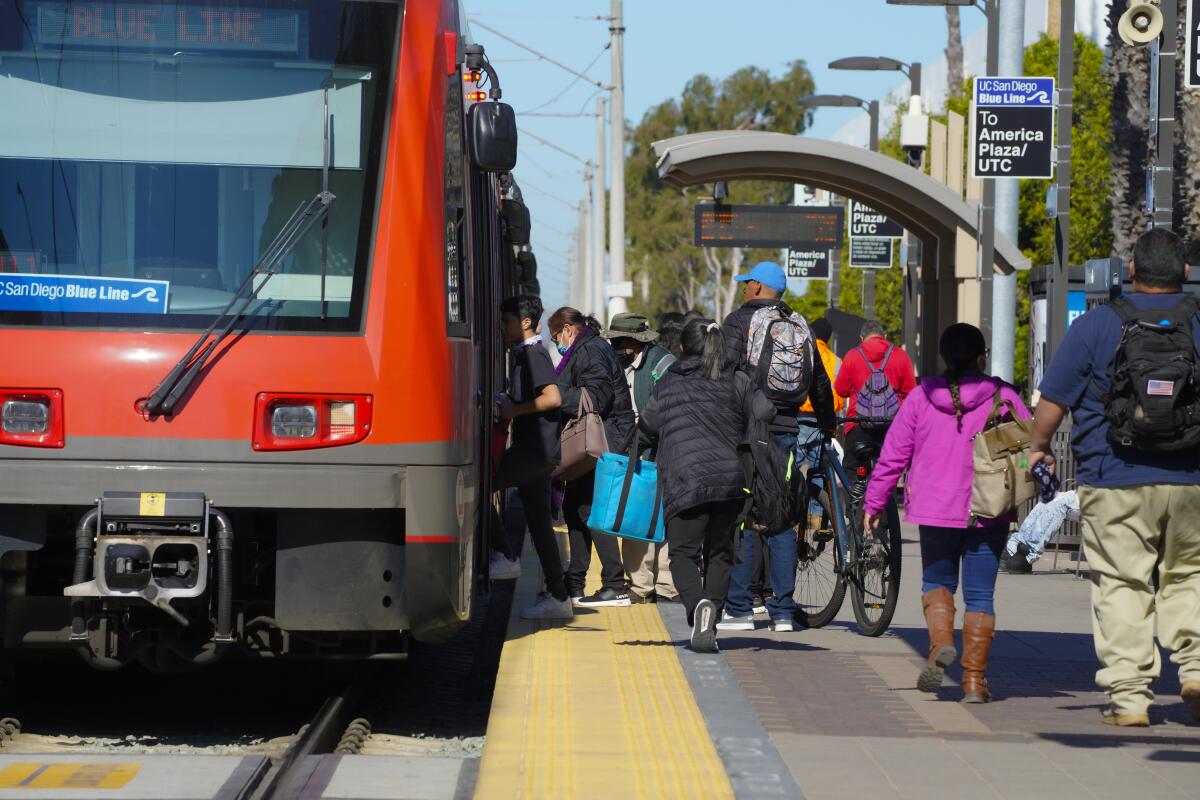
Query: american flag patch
{"x": 1160, "y": 388}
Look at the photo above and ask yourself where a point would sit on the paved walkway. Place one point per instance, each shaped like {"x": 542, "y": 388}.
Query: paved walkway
{"x": 841, "y": 710}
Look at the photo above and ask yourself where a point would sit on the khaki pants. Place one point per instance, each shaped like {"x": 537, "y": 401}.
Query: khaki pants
{"x": 648, "y": 568}
{"x": 1130, "y": 533}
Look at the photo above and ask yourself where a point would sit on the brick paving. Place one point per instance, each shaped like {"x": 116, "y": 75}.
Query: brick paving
{"x": 842, "y": 711}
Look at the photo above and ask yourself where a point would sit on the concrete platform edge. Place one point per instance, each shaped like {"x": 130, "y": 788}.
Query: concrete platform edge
{"x": 755, "y": 768}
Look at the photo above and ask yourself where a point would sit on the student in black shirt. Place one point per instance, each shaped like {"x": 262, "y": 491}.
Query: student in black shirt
{"x": 532, "y": 404}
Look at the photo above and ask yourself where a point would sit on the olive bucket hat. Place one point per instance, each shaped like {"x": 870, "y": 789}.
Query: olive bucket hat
{"x": 628, "y": 325}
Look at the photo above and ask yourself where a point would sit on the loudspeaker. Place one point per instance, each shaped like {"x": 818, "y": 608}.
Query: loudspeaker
{"x": 1141, "y": 23}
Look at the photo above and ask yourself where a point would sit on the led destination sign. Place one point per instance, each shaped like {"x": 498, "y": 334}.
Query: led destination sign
{"x": 168, "y": 27}
{"x": 799, "y": 227}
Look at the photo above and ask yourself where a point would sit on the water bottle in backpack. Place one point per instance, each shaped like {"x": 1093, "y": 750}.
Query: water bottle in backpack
{"x": 779, "y": 349}
{"x": 877, "y": 398}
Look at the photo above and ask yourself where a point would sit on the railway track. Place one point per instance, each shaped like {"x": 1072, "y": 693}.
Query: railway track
{"x": 284, "y": 718}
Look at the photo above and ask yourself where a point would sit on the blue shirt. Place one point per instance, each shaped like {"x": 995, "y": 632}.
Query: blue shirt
{"x": 1078, "y": 379}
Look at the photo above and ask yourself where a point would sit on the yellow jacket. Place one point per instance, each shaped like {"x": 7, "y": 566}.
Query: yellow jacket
{"x": 830, "y": 361}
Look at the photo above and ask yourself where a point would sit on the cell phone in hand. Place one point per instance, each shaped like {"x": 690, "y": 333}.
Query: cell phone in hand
{"x": 1046, "y": 480}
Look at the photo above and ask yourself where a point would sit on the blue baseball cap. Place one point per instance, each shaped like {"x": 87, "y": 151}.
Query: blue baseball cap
{"x": 769, "y": 274}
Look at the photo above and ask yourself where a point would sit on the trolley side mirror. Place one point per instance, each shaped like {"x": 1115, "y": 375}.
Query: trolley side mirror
{"x": 492, "y": 136}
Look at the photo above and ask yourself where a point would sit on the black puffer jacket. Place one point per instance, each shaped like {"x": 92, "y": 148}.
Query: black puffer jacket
{"x": 699, "y": 423}
{"x": 593, "y": 365}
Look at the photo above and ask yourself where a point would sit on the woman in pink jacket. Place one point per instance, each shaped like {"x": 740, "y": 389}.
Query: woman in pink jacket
{"x": 932, "y": 438}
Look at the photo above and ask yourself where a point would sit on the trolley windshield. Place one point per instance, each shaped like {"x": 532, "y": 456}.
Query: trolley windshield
{"x": 151, "y": 151}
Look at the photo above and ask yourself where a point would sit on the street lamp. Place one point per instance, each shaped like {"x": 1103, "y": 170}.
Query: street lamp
{"x": 872, "y": 107}
{"x": 914, "y": 139}
{"x": 882, "y": 64}
{"x": 847, "y": 101}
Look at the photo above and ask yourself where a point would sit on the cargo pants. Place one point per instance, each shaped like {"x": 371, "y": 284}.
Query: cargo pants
{"x": 1130, "y": 534}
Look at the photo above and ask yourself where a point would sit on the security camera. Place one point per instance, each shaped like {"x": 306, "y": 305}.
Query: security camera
{"x": 1142, "y": 22}
{"x": 914, "y": 131}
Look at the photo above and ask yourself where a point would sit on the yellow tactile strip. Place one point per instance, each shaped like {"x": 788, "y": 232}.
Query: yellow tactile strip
{"x": 596, "y": 708}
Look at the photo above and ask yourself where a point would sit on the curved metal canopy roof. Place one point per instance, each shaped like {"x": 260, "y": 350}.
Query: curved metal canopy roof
{"x": 920, "y": 203}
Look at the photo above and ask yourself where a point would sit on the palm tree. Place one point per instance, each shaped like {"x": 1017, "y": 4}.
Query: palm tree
{"x": 954, "y": 53}
{"x": 1129, "y": 69}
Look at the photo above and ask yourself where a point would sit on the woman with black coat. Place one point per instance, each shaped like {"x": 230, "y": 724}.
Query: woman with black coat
{"x": 699, "y": 412}
{"x": 589, "y": 362}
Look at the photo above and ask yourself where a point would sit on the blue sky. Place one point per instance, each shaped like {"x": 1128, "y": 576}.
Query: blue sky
{"x": 666, "y": 43}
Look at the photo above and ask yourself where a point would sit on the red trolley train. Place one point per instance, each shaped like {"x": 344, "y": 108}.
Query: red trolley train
{"x": 250, "y": 253}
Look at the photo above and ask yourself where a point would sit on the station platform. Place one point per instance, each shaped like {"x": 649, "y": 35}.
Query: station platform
{"x": 612, "y": 704}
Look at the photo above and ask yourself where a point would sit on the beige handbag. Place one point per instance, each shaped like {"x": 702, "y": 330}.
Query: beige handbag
{"x": 1001, "y": 464}
{"x": 583, "y": 441}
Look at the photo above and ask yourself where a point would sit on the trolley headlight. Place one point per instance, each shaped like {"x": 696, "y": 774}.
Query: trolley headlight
{"x": 25, "y": 416}
{"x": 303, "y": 421}
{"x": 32, "y": 417}
{"x": 294, "y": 422}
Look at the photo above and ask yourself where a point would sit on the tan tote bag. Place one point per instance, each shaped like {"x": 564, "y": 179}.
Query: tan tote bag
{"x": 583, "y": 441}
{"x": 1001, "y": 464}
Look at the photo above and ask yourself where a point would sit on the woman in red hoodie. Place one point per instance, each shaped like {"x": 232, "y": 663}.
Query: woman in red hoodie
{"x": 932, "y": 438}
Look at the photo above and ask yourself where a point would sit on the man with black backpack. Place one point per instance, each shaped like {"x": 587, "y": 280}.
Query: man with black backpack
{"x": 775, "y": 346}
{"x": 1129, "y": 373}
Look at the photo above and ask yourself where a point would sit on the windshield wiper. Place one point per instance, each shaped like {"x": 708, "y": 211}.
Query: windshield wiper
{"x": 166, "y": 395}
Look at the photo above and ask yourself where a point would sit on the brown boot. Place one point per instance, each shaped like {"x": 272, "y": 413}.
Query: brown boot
{"x": 978, "y": 630}
{"x": 939, "y": 618}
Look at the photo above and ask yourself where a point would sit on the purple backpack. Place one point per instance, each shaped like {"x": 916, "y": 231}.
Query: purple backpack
{"x": 877, "y": 398}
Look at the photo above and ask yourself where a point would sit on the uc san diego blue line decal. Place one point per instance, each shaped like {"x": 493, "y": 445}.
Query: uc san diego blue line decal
{"x": 82, "y": 293}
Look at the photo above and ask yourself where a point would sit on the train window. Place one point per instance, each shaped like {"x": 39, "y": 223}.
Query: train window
{"x": 155, "y": 164}
{"x": 457, "y": 314}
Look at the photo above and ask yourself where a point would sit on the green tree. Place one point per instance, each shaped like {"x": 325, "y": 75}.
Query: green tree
{"x": 659, "y": 218}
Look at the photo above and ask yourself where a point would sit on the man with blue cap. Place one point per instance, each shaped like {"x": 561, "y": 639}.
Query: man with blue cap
{"x": 763, "y": 286}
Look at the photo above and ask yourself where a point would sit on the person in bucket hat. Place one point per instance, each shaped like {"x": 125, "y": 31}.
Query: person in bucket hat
{"x": 645, "y": 364}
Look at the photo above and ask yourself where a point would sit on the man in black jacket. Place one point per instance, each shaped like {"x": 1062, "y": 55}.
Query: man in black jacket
{"x": 763, "y": 287}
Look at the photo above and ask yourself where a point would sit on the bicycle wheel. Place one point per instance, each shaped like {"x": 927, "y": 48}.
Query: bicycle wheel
{"x": 820, "y": 587}
{"x": 875, "y": 572}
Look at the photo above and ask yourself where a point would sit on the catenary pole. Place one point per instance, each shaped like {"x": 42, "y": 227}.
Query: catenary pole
{"x": 868, "y": 277}
{"x": 1056, "y": 285}
{"x": 1010, "y": 61}
{"x": 987, "y": 209}
{"x": 1164, "y": 159}
{"x": 588, "y": 255}
{"x": 599, "y": 298}
{"x": 616, "y": 231}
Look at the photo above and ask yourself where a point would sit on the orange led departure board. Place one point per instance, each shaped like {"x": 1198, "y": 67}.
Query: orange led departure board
{"x": 769, "y": 226}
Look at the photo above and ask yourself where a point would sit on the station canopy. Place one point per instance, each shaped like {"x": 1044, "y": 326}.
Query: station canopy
{"x": 923, "y": 205}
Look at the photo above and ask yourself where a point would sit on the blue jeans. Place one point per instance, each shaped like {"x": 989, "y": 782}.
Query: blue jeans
{"x": 977, "y": 549}
{"x": 808, "y": 451}
{"x": 783, "y": 557}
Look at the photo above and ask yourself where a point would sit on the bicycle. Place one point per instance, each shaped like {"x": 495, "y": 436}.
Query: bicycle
{"x": 867, "y": 564}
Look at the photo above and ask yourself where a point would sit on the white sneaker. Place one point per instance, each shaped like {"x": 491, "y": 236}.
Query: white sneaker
{"x": 547, "y": 607}
{"x": 782, "y": 625}
{"x": 729, "y": 623}
{"x": 503, "y": 569}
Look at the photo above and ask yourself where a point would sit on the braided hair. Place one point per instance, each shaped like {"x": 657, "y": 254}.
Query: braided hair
{"x": 961, "y": 346}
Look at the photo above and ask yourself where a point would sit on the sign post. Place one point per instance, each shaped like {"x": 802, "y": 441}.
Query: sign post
{"x": 1012, "y": 128}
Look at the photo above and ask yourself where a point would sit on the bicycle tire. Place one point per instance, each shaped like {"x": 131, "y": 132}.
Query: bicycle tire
{"x": 820, "y": 587}
{"x": 874, "y": 601}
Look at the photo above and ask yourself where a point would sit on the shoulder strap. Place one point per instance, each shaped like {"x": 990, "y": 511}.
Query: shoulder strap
{"x": 661, "y": 367}
{"x": 866, "y": 360}
{"x": 887, "y": 357}
{"x": 1125, "y": 309}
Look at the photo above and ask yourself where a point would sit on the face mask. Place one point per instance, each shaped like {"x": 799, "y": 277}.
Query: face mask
{"x": 626, "y": 359}
{"x": 562, "y": 348}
